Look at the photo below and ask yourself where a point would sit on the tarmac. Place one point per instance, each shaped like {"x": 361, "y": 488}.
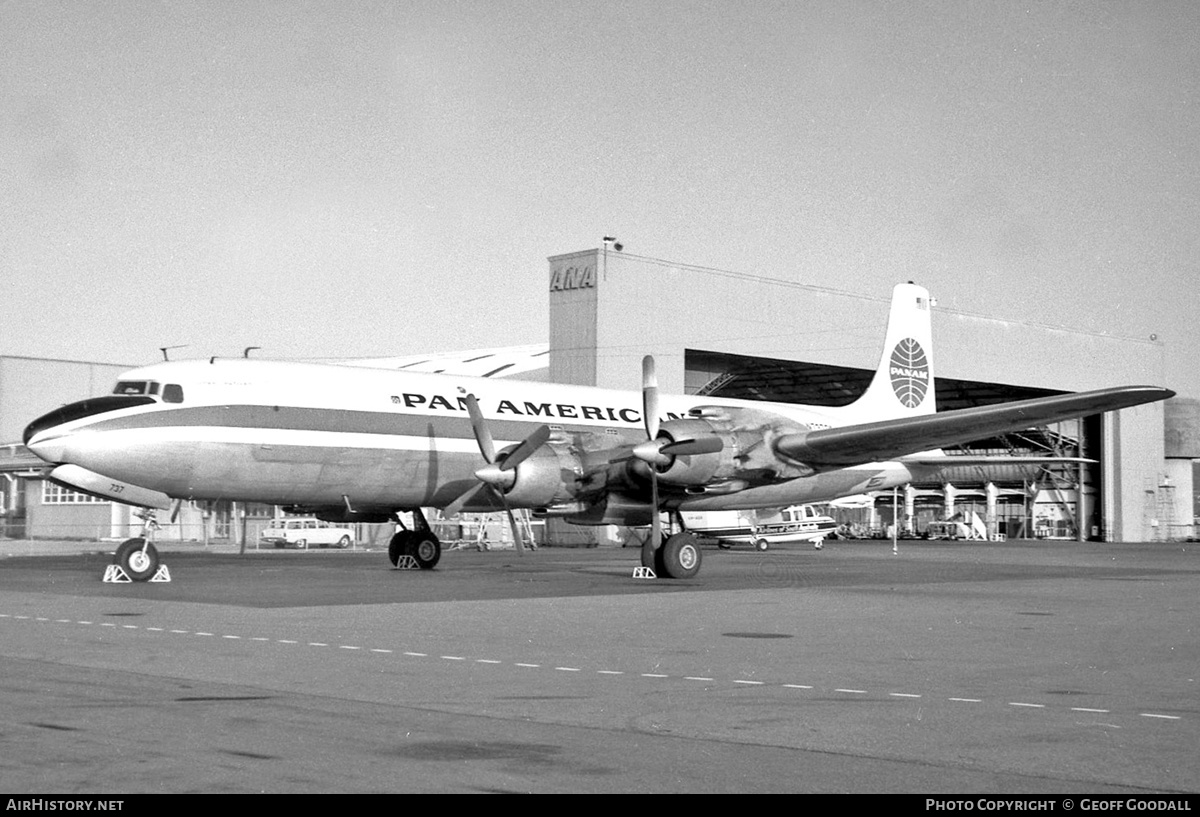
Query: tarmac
{"x": 1016, "y": 667}
{"x": 66, "y": 547}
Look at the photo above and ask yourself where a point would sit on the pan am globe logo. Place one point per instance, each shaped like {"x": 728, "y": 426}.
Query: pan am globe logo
{"x": 910, "y": 373}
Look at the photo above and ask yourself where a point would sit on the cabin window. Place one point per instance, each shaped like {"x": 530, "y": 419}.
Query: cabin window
{"x": 172, "y": 393}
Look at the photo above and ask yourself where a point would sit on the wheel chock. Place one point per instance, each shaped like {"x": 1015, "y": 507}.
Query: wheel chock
{"x": 641, "y": 572}
{"x": 115, "y": 574}
{"x": 406, "y": 562}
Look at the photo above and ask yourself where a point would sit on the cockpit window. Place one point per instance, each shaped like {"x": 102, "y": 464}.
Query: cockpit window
{"x": 136, "y": 387}
{"x": 132, "y": 387}
{"x": 172, "y": 393}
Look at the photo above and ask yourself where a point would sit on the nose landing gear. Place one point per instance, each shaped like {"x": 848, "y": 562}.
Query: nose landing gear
{"x": 136, "y": 560}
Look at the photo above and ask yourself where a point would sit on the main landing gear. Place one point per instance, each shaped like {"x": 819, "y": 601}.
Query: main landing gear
{"x": 416, "y": 548}
{"x": 677, "y": 558}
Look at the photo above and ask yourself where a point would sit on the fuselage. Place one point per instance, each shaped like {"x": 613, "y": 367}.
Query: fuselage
{"x": 333, "y": 435}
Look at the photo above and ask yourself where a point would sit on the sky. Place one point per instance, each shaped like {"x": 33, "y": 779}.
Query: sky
{"x": 367, "y": 179}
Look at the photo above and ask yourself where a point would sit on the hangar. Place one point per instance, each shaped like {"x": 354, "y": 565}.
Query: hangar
{"x": 733, "y": 334}
{"x": 758, "y": 337}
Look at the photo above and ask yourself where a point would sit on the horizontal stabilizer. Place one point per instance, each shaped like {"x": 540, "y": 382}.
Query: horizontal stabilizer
{"x": 826, "y": 449}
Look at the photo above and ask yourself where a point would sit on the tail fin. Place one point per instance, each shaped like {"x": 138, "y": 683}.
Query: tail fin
{"x": 903, "y": 382}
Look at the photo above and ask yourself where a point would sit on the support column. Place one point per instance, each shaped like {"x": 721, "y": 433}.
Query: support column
{"x": 910, "y": 509}
{"x": 948, "y": 494}
{"x": 993, "y": 499}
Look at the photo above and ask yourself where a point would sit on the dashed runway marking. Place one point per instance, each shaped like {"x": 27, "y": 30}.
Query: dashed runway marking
{"x": 528, "y": 665}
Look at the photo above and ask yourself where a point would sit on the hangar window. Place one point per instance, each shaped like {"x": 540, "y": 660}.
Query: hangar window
{"x": 53, "y": 494}
{"x": 173, "y": 393}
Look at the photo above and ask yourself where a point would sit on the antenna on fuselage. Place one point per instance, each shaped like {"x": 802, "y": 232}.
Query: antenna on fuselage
{"x": 246, "y": 352}
{"x": 165, "y": 349}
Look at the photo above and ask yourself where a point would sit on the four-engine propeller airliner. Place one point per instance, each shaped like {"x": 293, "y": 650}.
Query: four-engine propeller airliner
{"x": 350, "y": 443}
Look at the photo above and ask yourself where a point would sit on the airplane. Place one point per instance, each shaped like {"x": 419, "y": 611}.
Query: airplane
{"x": 356, "y": 444}
{"x": 762, "y": 528}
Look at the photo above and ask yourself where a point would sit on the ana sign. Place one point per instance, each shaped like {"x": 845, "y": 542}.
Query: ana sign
{"x": 573, "y": 277}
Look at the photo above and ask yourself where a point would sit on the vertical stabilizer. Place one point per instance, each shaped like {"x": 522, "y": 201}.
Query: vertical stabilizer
{"x": 903, "y": 382}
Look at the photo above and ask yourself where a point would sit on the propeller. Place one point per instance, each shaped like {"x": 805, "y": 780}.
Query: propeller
{"x": 655, "y": 452}
{"x": 499, "y": 473}
{"x": 650, "y": 418}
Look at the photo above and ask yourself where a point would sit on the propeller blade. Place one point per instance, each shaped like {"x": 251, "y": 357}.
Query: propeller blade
{"x": 495, "y": 477}
{"x": 654, "y": 540}
{"x": 455, "y": 507}
{"x": 703, "y": 445}
{"x": 518, "y": 542}
{"x": 526, "y": 447}
{"x": 482, "y": 436}
{"x": 660, "y": 452}
{"x": 650, "y": 452}
{"x": 649, "y": 397}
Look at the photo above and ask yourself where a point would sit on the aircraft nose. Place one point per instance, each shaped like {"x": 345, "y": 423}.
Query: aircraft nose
{"x": 51, "y": 450}
{"x": 47, "y": 443}
{"x": 45, "y": 437}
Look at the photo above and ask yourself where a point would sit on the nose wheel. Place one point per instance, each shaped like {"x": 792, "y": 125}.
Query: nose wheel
{"x": 136, "y": 560}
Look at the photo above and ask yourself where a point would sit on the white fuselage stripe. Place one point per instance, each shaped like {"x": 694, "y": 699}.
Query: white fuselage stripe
{"x": 266, "y": 437}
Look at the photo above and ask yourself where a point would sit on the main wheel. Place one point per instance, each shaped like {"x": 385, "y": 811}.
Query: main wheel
{"x": 680, "y": 556}
{"x": 398, "y": 545}
{"x": 302, "y": 544}
{"x": 137, "y": 558}
{"x": 426, "y": 549}
{"x": 344, "y": 542}
{"x": 760, "y": 544}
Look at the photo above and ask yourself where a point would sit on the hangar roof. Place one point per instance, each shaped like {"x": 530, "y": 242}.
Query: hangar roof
{"x": 526, "y": 362}
{"x": 819, "y": 384}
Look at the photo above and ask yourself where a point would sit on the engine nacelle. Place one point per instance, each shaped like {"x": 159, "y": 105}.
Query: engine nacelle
{"x": 549, "y": 476}
{"x": 745, "y": 454}
{"x": 692, "y": 469}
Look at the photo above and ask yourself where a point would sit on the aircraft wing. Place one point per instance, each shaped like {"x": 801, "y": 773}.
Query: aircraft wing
{"x": 951, "y": 460}
{"x": 827, "y": 449}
